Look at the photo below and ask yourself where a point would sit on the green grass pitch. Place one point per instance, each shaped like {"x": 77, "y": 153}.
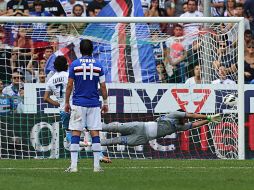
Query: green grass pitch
{"x": 128, "y": 174}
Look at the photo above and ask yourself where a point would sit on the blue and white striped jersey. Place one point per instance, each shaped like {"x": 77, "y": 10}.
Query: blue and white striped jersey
{"x": 87, "y": 74}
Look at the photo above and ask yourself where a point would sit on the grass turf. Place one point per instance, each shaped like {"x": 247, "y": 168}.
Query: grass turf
{"x": 128, "y": 174}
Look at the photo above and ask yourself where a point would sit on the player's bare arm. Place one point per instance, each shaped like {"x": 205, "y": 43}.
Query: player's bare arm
{"x": 49, "y": 100}
{"x": 104, "y": 93}
{"x": 68, "y": 94}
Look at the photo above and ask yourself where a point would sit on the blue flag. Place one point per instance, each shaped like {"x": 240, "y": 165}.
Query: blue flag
{"x": 122, "y": 48}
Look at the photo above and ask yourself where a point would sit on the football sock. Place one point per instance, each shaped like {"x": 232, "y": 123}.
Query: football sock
{"x": 74, "y": 150}
{"x": 96, "y": 147}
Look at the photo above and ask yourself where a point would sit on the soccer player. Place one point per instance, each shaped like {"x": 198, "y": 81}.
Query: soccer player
{"x": 85, "y": 74}
{"x": 57, "y": 85}
{"x": 139, "y": 133}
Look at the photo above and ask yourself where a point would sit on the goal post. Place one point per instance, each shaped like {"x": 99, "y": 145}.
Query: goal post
{"x": 240, "y": 53}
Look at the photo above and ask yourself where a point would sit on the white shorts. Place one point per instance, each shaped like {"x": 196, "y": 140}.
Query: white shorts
{"x": 85, "y": 117}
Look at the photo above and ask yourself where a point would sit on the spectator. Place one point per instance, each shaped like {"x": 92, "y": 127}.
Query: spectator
{"x": 5, "y": 100}
{"x": 5, "y": 55}
{"x": 193, "y": 53}
{"x": 17, "y": 83}
{"x": 230, "y": 8}
{"x": 42, "y": 76}
{"x": 217, "y": 8}
{"x": 196, "y": 77}
{"x": 25, "y": 48}
{"x": 48, "y": 52}
{"x": 97, "y": 11}
{"x": 69, "y": 5}
{"x": 95, "y": 4}
{"x": 24, "y": 42}
{"x": 17, "y": 7}
{"x": 19, "y": 63}
{"x": 161, "y": 72}
{"x": 192, "y": 28}
{"x": 158, "y": 51}
{"x": 223, "y": 77}
{"x": 177, "y": 5}
{"x": 223, "y": 58}
{"x": 42, "y": 64}
{"x": 249, "y": 11}
{"x": 32, "y": 69}
{"x": 176, "y": 54}
{"x": 239, "y": 10}
{"x": 54, "y": 7}
{"x": 48, "y": 55}
{"x": 31, "y": 4}
{"x": 39, "y": 9}
{"x": 249, "y": 63}
{"x": 185, "y": 7}
{"x": 77, "y": 28}
{"x": 19, "y": 101}
{"x": 3, "y": 7}
{"x": 77, "y": 10}
{"x": 168, "y": 28}
{"x": 154, "y": 9}
{"x": 39, "y": 34}
{"x": 145, "y": 4}
{"x": 14, "y": 59}
{"x": 247, "y": 39}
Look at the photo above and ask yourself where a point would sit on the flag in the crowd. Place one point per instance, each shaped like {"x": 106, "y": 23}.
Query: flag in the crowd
{"x": 120, "y": 47}
{"x": 69, "y": 49}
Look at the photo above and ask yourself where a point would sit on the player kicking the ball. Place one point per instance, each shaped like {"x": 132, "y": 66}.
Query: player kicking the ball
{"x": 139, "y": 133}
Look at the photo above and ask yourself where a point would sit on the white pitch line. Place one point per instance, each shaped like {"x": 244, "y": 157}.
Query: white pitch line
{"x": 138, "y": 168}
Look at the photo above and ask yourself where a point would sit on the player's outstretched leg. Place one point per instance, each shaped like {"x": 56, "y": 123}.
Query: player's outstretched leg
{"x": 116, "y": 140}
{"x": 123, "y": 128}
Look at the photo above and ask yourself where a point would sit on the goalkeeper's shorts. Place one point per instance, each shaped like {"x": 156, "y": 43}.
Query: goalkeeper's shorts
{"x": 65, "y": 119}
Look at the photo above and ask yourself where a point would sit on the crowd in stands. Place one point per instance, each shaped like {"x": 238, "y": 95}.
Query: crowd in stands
{"x": 25, "y": 48}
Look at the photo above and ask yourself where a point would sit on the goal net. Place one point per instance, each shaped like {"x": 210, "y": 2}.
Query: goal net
{"x": 148, "y": 74}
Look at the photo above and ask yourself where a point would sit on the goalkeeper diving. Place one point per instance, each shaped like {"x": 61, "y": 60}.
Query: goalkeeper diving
{"x": 140, "y": 133}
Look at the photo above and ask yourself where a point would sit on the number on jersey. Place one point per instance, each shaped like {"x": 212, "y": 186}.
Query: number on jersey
{"x": 90, "y": 69}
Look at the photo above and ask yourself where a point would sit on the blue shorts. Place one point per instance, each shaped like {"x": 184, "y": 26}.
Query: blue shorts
{"x": 65, "y": 119}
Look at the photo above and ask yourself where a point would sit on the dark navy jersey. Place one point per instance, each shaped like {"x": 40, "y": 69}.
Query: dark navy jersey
{"x": 87, "y": 74}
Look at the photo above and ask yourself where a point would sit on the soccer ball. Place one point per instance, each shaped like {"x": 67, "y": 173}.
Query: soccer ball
{"x": 230, "y": 100}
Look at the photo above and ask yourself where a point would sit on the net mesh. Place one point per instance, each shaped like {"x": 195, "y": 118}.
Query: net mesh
{"x": 148, "y": 73}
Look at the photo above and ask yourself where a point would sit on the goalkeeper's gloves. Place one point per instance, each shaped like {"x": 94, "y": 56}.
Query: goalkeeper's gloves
{"x": 214, "y": 118}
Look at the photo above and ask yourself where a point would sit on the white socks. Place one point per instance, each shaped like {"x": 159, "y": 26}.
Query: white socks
{"x": 74, "y": 155}
{"x": 96, "y": 147}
